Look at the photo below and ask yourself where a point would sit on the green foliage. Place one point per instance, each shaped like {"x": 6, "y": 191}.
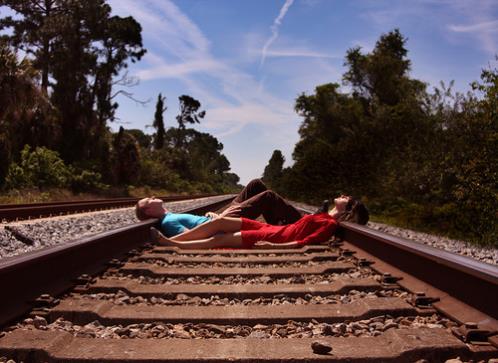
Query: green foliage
{"x": 156, "y": 173}
{"x": 381, "y": 75}
{"x": 26, "y": 115}
{"x": 40, "y": 168}
{"x": 35, "y": 31}
{"x": 144, "y": 140}
{"x": 425, "y": 160}
{"x": 61, "y": 97}
{"x": 198, "y": 165}
{"x": 273, "y": 171}
{"x": 189, "y": 111}
{"x": 87, "y": 181}
{"x": 126, "y": 158}
{"x": 158, "y": 123}
{"x": 81, "y": 47}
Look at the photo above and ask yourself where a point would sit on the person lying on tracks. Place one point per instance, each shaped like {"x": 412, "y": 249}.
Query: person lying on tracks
{"x": 247, "y": 233}
{"x": 254, "y": 200}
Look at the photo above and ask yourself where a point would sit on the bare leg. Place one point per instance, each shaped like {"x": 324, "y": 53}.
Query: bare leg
{"x": 209, "y": 229}
{"x": 220, "y": 240}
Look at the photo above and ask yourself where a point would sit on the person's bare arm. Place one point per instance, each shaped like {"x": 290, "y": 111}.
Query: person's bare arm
{"x": 271, "y": 245}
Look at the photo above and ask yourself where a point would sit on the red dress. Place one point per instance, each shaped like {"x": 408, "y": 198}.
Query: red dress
{"x": 309, "y": 229}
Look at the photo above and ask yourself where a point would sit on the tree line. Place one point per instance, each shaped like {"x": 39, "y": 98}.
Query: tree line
{"x": 424, "y": 159}
{"x": 58, "y": 99}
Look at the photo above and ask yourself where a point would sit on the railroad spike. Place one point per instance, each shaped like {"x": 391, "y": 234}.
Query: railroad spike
{"x": 388, "y": 279}
{"x": 44, "y": 300}
{"x": 363, "y": 262}
{"x": 83, "y": 279}
{"x": 347, "y": 252}
{"x": 470, "y": 333}
{"x": 419, "y": 299}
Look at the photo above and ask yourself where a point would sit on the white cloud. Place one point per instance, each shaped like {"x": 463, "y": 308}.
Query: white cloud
{"x": 177, "y": 70}
{"x": 298, "y": 52}
{"x": 250, "y": 49}
{"x": 484, "y": 30}
{"x": 245, "y": 114}
{"x": 441, "y": 14}
{"x": 240, "y": 99}
{"x": 274, "y": 29}
{"x": 487, "y": 26}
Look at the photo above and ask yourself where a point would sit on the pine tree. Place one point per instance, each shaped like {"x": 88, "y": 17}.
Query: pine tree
{"x": 189, "y": 111}
{"x": 80, "y": 47}
{"x": 273, "y": 171}
{"x": 35, "y": 32}
{"x": 158, "y": 123}
{"x": 26, "y": 115}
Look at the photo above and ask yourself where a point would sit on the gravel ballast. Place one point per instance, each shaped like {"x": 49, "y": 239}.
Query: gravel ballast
{"x": 483, "y": 254}
{"x": 121, "y": 298}
{"x": 293, "y": 329}
{"x": 324, "y": 278}
{"x": 162, "y": 263}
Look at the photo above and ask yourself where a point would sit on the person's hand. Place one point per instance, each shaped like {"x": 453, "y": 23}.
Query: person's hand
{"x": 263, "y": 245}
{"x": 271, "y": 245}
{"x": 233, "y": 210}
{"x": 212, "y": 215}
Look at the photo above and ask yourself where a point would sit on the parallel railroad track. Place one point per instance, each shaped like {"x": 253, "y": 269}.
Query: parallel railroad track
{"x": 370, "y": 297}
{"x": 12, "y": 212}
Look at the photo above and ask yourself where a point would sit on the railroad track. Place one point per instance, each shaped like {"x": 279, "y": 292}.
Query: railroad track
{"x": 369, "y": 297}
{"x": 12, "y": 212}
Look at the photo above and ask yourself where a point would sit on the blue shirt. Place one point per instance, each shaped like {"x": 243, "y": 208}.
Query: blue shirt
{"x": 175, "y": 223}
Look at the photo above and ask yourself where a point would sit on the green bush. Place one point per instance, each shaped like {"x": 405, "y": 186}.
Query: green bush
{"x": 41, "y": 168}
{"x": 155, "y": 174}
{"x": 87, "y": 181}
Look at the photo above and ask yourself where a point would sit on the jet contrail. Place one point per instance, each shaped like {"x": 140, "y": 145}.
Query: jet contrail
{"x": 274, "y": 29}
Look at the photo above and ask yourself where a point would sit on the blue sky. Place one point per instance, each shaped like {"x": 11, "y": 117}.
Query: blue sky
{"x": 247, "y": 60}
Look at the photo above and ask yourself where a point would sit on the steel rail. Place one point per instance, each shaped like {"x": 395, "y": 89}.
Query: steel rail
{"x": 466, "y": 288}
{"x": 472, "y": 282}
{"x": 37, "y": 204}
{"x": 52, "y": 270}
{"x": 10, "y": 212}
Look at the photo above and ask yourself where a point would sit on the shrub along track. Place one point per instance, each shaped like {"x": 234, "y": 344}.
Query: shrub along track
{"x": 370, "y": 297}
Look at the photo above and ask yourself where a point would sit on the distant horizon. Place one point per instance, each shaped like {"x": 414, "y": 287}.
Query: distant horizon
{"x": 247, "y": 61}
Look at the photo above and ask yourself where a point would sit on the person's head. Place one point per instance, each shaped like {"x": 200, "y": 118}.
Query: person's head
{"x": 149, "y": 208}
{"x": 350, "y": 209}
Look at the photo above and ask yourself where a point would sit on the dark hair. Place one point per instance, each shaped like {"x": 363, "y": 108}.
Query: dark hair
{"x": 355, "y": 212}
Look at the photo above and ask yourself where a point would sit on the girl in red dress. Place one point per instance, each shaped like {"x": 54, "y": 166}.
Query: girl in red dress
{"x": 247, "y": 233}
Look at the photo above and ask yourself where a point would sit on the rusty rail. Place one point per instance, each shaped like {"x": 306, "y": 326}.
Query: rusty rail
{"x": 466, "y": 280}
{"x": 463, "y": 288}
{"x": 11, "y": 212}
